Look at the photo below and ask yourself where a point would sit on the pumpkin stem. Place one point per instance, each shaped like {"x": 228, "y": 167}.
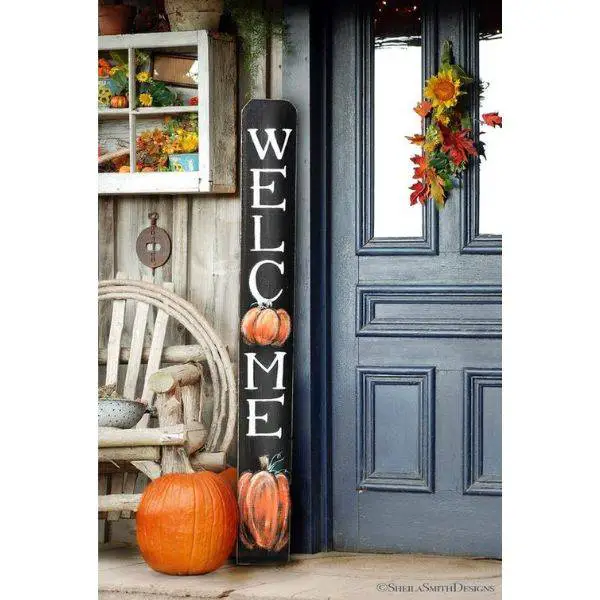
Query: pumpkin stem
{"x": 267, "y": 304}
{"x": 264, "y": 462}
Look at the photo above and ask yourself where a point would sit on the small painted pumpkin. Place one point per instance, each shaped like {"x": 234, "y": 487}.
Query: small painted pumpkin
{"x": 264, "y": 503}
{"x": 124, "y": 169}
{"x": 266, "y": 326}
{"x": 187, "y": 523}
{"x": 119, "y": 102}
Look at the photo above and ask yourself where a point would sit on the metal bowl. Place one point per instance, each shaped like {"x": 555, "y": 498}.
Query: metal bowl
{"x": 123, "y": 414}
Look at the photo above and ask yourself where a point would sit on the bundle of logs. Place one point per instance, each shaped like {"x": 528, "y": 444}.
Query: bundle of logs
{"x": 168, "y": 448}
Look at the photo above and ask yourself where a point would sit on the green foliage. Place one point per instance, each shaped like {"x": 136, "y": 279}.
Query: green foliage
{"x": 257, "y": 21}
{"x": 120, "y": 81}
{"x": 161, "y": 94}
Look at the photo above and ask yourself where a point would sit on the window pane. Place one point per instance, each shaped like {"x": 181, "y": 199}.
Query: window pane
{"x": 490, "y": 69}
{"x": 398, "y": 82}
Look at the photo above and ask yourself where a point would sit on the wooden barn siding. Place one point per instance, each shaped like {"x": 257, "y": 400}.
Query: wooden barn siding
{"x": 204, "y": 264}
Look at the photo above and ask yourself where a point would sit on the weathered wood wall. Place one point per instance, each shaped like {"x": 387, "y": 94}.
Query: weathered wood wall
{"x": 204, "y": 264}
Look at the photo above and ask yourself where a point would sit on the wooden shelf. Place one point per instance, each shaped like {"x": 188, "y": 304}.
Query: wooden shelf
{"x": 113, "y": 113}
{"x": 154, "y": 111}
{"x": 152, "y": 183}
{"x": 216, "y": 111}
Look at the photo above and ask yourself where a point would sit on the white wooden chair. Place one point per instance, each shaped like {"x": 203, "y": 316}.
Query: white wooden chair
{"x": 181, "y": 442}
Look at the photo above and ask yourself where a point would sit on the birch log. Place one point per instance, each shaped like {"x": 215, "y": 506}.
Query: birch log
{"x": 170, "y": 412}
{"x": 209, "y": 461}
{"x": 109, "y": 437}
{"x": 168, "y": 379}
{"x": 129, "y": 453}
{"x": 119, "y": 502}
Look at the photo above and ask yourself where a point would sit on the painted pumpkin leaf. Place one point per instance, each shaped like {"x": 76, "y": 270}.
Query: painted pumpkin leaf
{"x": 492, "y": 119}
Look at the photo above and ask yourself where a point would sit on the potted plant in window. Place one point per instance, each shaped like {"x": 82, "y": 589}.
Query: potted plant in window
{"x": 115, "y": 18}
{"x": 182, "y": 147}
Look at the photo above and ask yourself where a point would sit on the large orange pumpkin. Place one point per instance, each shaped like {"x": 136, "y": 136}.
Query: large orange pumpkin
{"x": 230, "y": 476}
{"x": 264, "y": 502}
{"x": 266, "y": 326}
{"x": 187, "y": 523}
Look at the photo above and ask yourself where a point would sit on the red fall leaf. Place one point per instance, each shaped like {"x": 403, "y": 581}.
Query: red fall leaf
{"x": 457, "y": 144}
{"x": 492, "y": 119}
{"x": 420, "y": 192}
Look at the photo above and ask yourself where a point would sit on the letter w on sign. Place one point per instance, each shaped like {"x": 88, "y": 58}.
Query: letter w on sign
{"x": 266, "y": 354}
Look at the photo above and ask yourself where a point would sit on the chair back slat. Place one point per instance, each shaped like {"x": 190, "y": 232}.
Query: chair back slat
{"x": 156, "y": 348}
{"x": 113, "y": 349}
{"x": 135, "y": 351}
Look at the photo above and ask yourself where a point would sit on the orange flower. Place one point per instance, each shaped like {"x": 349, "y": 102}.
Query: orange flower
{"x": 423, "y": 108}
{"x": 103, "y": 68}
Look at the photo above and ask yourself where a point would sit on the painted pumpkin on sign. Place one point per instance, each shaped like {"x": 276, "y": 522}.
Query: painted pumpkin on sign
{"x": 264, "y": 503}
{"x": 266, "y": 326}
{"x": 187, "y": 523}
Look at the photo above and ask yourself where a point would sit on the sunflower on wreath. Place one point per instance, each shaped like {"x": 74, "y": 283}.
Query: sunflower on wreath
{"x": 447, "y": 143}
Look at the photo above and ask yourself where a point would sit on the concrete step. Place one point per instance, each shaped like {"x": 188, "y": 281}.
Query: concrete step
{"x": 123, "y": 575}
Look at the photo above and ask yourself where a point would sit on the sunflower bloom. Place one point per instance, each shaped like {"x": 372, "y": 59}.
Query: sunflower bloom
{"x": 143, "y": 76}
{"x": 145, "y": 99}
{"x": 104, "y": 95}
{"x": 443, "y": 89}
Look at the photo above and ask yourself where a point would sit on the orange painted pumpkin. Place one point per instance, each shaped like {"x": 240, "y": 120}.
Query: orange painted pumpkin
{"x": 187, "y": 523}
{"x": 264, "y": 503}
{"x": 124, "y": 169}
{"x": 230, "y": 476}
{"x": 266, "y": 326}
{"x": 119, "y": 102}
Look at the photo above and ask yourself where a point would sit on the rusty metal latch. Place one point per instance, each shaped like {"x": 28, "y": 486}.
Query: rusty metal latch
{"x": 153, "y": 245}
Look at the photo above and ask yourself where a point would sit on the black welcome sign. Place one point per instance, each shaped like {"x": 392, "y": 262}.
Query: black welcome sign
{"x": 267, "y": 330}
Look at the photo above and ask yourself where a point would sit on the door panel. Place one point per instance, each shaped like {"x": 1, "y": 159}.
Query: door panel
{"x": 415, "y": 373}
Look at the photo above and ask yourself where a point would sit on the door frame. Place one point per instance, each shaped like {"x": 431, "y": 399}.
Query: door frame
{"x": 305, "y": 79}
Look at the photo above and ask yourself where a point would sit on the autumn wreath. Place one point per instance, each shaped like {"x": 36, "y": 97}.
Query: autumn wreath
{"x": 447, "y": 142}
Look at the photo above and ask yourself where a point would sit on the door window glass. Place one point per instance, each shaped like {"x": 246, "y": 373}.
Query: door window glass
{"x": 492, "y": 169}
{"x": 397, "y": 89}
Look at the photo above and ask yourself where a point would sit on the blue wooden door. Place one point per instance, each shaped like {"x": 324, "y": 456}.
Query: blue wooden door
{"x": 416, "y": 298}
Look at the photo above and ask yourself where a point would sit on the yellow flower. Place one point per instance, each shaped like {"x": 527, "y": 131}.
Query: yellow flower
{"x": 443, "y": 89}
{"x": 178, "y": 167}
{"x": 145, "y": 99}
{"x": 104, "y": 95}
{"x": 189, "y": 142}
{"x": 441, "y": 116}
{"x": 143, "y": 76}
{"x": 114, "y": 71}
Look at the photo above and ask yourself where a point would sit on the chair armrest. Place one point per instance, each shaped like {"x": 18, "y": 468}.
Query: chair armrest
{"x": 168, "y": 379}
